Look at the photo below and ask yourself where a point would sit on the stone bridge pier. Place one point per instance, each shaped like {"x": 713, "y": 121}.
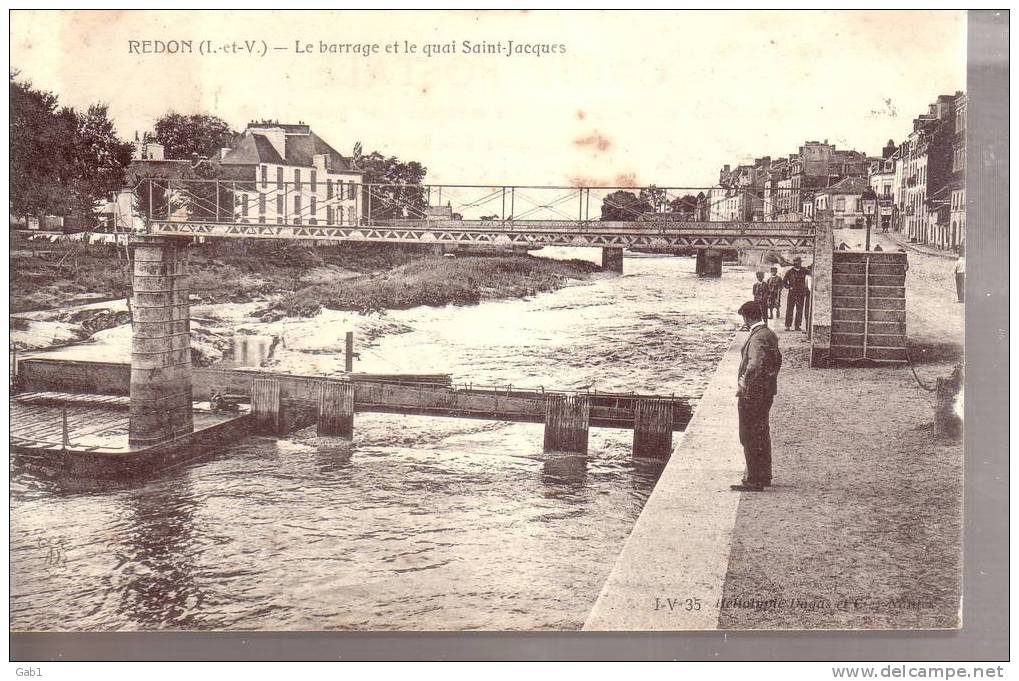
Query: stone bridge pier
{"x": 612, "y": 259}
{"x": 160, "y": 343}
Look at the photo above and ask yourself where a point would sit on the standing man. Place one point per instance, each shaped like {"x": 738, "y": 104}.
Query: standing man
{"x": 796, "y": 281}
{"x": 757, "y": 386}
{"x": 774, "y": 294}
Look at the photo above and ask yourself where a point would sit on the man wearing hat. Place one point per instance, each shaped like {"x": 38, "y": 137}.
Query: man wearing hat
{"x": 796, "y": 281}
{"x": 756, "y": 389}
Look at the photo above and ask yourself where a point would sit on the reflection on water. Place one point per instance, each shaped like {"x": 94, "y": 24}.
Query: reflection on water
{"x": 420, "y": 523}
{"x": 251, "y": 350}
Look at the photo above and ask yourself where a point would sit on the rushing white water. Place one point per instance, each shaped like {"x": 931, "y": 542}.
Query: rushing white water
{"x": 419, "y": 523}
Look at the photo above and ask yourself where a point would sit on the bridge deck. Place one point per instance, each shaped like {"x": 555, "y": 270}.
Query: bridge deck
{"x": 606, "y": 234}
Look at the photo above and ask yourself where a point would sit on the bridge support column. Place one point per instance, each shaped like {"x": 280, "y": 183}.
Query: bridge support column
{"x": 612, "y": 259}
{"x": 160, "y": 344}
{"x": 709, "y": 263}
{"x": 336, "y": 409}
{"x": 265, "y": 404}
{"x": 652, "y": 428}
{"x": 819, "y": 320}
{"x": 567, "y": 421}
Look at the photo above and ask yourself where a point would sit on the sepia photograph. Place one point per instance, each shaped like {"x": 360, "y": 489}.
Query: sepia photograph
{"x": 486, "y": 320}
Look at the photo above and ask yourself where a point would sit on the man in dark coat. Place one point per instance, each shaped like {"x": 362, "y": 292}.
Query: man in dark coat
{"x": 757, "y": 386}
{"x": 796, "y": 282}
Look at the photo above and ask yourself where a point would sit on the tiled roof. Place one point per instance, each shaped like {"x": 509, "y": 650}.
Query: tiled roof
{"x": 301, "y": 146}
{"x": 849, "y": 185}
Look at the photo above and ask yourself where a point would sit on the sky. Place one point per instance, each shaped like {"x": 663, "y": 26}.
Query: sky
{"x": 627, "y": 98}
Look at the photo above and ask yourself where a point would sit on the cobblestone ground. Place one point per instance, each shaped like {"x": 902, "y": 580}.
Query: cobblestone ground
{"x": 863, "y": 526}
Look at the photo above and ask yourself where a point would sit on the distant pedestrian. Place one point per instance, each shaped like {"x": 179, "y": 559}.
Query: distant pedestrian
{"x": 757, "y": 386}
{"x": 960, "y": 275}
{"x": 774, "y": 294}
{"x": 760, "y": 292}
{"x": 795, "y": 281}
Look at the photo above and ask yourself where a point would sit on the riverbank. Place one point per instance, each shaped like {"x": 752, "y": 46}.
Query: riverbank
{"x": 63, "y": 294}
{"x": 292, "y": 278}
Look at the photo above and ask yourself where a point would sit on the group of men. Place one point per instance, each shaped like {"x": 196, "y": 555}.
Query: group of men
{"x": 760, "y": 363}
{"x": 768, "y": 294}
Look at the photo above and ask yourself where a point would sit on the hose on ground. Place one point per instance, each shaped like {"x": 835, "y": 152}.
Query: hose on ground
{"x": 918, "y": 381}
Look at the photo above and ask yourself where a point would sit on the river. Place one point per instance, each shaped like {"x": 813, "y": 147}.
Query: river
{"x": 420, "y": 523}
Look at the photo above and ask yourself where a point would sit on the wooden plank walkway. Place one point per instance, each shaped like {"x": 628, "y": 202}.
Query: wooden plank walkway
{"x": 93, "y": 421}
{"x": 38, "y": 422}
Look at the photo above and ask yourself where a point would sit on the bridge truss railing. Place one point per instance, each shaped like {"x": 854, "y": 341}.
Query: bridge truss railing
{"x": 331, "y": 202}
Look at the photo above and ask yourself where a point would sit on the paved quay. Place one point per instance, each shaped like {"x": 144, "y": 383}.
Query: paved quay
{"x": 863, "y": 528}
{"x": 679, "y": 548}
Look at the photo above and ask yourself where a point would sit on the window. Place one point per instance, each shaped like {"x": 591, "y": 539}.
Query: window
{"x": 840, "y": 204}
{"x": 261, "y": 204}
{"x": 265, "y": 176}
{"x": 297, "y": 209}
{"x": 279, "y": 208}
{"x": 297, "y": 178}
{"x": 329, "y": 189}
{"x": 329, "y": 213}
{"x": 314, "y": 180}
{"x": 279, "y": 178}
{"x": 314, "y": 208}
{"x": 244, "y": 205}
{"x": 352, "y": 190}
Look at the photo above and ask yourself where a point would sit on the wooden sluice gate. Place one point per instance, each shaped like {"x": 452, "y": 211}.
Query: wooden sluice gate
{"x": 567, "y": 423}
{"x": 336, "y": 409}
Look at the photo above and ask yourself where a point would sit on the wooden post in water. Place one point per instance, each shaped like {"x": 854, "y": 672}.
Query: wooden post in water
{"x": 336, "y": 409}
{"x": 348, "y": 357}
{"x": 567, "y": 420}
{"x": 265, "y": 404}
{"x": 652, "y": 428}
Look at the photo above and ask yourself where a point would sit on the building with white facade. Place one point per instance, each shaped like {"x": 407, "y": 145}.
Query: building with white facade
{"x": 842, "y": 203}
{"x": 287, "y": 174}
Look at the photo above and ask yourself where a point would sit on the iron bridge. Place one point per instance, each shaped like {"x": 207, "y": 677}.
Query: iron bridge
{"x": 533, "y": 216}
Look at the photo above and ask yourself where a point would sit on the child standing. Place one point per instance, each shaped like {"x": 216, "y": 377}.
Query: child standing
{"x": 774, "y": 294}
{"x": 761, "y": 293}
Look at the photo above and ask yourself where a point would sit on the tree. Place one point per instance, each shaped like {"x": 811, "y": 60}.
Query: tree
{"x": 40, "y": 139}
{"x": 405, "y": 201}
{"x": 197, "y": 134}
{"x": 97, "y": 159}
{"x": 623, "y": 205}
{"x": 654, "y": 197}
{"x": 684, "y": 207}
{"x": 63, "y": 162}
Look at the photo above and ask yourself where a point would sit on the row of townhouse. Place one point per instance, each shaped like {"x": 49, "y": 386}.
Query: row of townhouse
{"x": 782, "y": 189}
{"x": 920, "y": 184}
{"x": 929, "y": 176}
